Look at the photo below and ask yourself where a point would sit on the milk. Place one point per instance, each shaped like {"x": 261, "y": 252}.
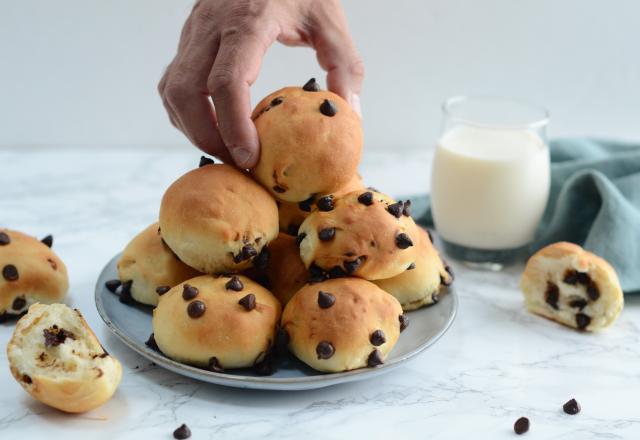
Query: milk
{"x": 489, "y": 186}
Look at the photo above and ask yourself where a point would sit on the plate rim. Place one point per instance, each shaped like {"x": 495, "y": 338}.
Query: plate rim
{"x": 242, "y": 380}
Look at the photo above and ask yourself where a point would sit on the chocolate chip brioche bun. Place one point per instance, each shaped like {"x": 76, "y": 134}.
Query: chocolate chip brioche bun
{"x": 216, "y": 323}
{"x": 56, "y": 357}
{"x": 342, "y": 324}
{"x": 421, "y": 283}
{"x": 291, "y": 215}
{"x": 364, "y": 233}
{"x": 150, "y": 268}
{"x": 567, "y": 284}
{"x": 285, "y": 271}
{"x": 217, "y": 219}
{"x": 30, "y": 272}
{"x": 311, "y": 141}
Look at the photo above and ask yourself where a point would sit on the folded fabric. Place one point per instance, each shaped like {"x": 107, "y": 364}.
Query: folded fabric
{"x": 594, "y": 201}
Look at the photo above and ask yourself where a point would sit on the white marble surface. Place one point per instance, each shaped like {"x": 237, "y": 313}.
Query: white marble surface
{"x": 496, "y": 364}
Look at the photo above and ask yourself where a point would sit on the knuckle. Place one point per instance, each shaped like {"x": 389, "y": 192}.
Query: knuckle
{"x": 177, "y": 94}
{"x": 221, "y": 78}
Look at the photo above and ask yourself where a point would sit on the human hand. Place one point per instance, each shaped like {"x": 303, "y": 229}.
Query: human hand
{"x": 219, "y": 56}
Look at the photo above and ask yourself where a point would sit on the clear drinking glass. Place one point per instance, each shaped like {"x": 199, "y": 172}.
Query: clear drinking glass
{"x": 490, "y": 179}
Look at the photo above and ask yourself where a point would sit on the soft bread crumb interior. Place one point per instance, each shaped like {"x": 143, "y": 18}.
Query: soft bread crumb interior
{"x": 79, "y": 357}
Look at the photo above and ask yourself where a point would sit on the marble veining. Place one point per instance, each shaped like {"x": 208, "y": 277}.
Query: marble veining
{"x": 497, "y": 363}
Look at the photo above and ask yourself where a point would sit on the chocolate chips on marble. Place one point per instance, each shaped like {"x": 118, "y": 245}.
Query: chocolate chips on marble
{"x": 182, "y": 432}
{"x": 326, "y": 299}
{"x": 196, "y": 309}
{"x": 248, "y": 302}
{"x": 234, "y": 284}
{"x": 311, "y": 86}
{"x": 521, "y": 425}
{"x": 325, "y": 350}
{"x": 328, "y": 108}
{"x": 48, "y": 240}
{"x": 572, "y": 407}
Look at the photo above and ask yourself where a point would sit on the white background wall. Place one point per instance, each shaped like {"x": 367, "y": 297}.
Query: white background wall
{"x": 84, "y": 72}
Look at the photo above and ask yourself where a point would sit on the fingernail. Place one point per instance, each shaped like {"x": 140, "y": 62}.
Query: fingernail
{"x": 241, "y": 156}
{"x": 355, "y": 103}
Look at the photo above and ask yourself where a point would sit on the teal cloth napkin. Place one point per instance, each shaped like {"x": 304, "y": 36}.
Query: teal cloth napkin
{"x": 594, "y": 201}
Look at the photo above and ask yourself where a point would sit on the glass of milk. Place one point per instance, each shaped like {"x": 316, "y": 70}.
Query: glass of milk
{"x": 490, "y": 179}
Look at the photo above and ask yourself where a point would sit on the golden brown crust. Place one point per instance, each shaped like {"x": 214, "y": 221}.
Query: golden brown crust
{"x": 71, "y": 381}
{"x": 367, "y": 234}
{"x": 42, "y": 276}
{"x": 291, "y": 215}
{"x": 303, "y": 151}
{"x": 226, "y": 330}
{"x": 422, "y": 284}
{"x": 211, "y": 213}
{"x": 360, "y": 308}
{"x": 149, "y": 263}
{"x": 285, "y": 271}
{"x": 565, "y": 283}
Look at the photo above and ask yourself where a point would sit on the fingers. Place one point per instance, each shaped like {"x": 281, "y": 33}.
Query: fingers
{"x": 337, "y": 54}
{"x": 235, "y": 68}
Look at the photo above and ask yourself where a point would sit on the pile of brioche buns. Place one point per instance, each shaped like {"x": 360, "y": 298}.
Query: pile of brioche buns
{"x": 296, "y": 252}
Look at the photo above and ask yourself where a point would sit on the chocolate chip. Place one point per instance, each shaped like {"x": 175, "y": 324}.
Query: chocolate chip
{"x": 584, "y": 278}
{"x": 151, "y": 343}
{"x": 395, "y": 209}
{"x": 299, "y": 238}
{"x": 403, "y": 241}
{"x": 447, "y": 281}
{"x": 305, "y": 205}
{"x": 52, "y": 263}
{"x": 582, "y": 320}
{"x": 276, "y": 101}
{"x": 406, "y": 208}
{"x": 593, "y": 292}
{"x": 325, "y": 203}
{"x": 248, "y": 251}
{"x": 125, "y": 292}
{"x": 521, "y": 426}
{"x": 234, "y": 284}
{"x": 374, "y": 359}
{"x": 316, "y": 274}
{"x": 265, "y": 367}
{"x": 214, "y": 365}
{"x": 48, "y": 240}
{"x": 579, "y": 303}
{"x": 262, "y": 259}
{"x": 570, "y": 277}
{"x": 19, "y": 303}
{"x": 293, "y": 229}
{"x": 404, "y": 322}
{"x": 327, "y": 234}
{"x": 161, "y": 290}
{"x": 435, "y": 298}
{"x": 328, "y": 108}
{"x": 366, "y": 198}
{"x": 4, "y": 239}
{"x": 411, "y": 266}
{"x": 377, "y": 338}
{"x": 279, "y": 189}
{"x": 54, "y": 336}
{"x": 248, "y": 302}
{"x": 571, "y": 407}
{"x": 189, "y": 292}
{"x": 10, "y": 272}
{"x": 325, "y": 350}
{"x": 552, "y": 294}
{"x": 353, "y": 265}
{"x": 205, "y": 161}
{"x": 182, "y": 432}
{"x": 112, "y": 285}
{"x": 196, "y": 309}
{"x": 336, "y": 272}
{"x": 311, "y": 86}
{"x": 326, "y": 299}
{"x": 26, "y": 378}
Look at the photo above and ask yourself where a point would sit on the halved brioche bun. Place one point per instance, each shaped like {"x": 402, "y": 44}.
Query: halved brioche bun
{"x": 57, "y": 359}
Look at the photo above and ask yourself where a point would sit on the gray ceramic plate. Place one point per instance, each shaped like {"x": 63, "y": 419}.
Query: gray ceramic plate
{"x": 132, "y": 324}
